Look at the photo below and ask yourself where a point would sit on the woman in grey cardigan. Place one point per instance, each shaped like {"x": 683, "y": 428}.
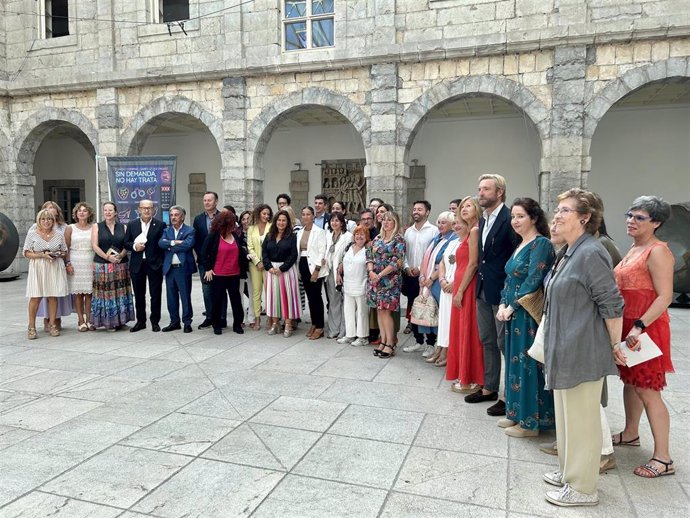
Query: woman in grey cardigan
{"x": 583, "y": 327}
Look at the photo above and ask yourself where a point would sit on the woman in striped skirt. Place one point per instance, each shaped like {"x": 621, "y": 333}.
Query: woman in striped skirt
{"x": 45, "y": 248}
{"x": 281, "y": 286}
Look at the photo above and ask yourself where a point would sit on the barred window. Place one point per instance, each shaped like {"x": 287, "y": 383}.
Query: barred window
{"x": 308, "y": 24}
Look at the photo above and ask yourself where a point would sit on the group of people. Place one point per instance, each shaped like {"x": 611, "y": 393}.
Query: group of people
{"x": 499, "y": 280}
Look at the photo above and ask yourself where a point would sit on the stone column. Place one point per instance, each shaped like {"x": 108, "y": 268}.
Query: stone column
{"x": 109, "y": 127}
{"x": 238, "y": 190}
{"x": 562, "y": 156}
{"x": 386, "y": 172}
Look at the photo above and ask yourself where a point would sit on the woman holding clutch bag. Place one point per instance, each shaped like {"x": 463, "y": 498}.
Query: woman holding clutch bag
{"x": 645, "y": 279}
{"x": 112, "y": 305}
{"x": 529, "y": 408}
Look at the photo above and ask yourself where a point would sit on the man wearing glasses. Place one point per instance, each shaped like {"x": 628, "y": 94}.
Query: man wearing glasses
{"x": 366, "y": 218}
{"x": 145, "y": 262}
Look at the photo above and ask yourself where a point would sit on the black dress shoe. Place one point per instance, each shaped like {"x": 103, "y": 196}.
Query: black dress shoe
{"x": 224, "y": 324}
{"x": 498, "y": 409}
{"x": 138, "y": 327}
{"x": 205, "y": 324}
{"x": 171, "y": 327}
{"x": 187, "y": 328}
{"x": 155, "y": 328}
{"x": 238, "y": 330}
{"x": 217, "y": 331}
{"x": 479, "y": 397}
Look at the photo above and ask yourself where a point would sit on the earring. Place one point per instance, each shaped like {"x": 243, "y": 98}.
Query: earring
{"x": 582, "y": 222}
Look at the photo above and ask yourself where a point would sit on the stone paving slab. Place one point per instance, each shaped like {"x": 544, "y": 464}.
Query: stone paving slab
{"x": 172, "y": 424}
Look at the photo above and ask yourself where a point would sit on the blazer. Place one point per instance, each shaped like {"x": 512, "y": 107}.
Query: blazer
{"x": 209, "y": 252}
{"x": 500, "y": 245}
{"x": 154, "y": 255}
{"x": 183, "y": 250}
{"x": 333, "y": 259}
{"x": 316, "y": 249}
{"x": 254, "y": 243}
{"x": 200, "y": 233}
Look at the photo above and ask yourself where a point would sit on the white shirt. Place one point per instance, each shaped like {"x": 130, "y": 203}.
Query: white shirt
{"x": 141, "y": 238}
{"x": 175, "y": 259}
{"x": 355, "y": 273}
{"x": 490, "y": 219}
{"x": 417, "y": 242}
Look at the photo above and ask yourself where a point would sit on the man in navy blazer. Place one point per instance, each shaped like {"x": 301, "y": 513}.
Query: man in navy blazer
{"x": 146, "y": 262}
{"x": 202, "y": 227}
{"x": 178, "y": 267}
{"x": 497, "y": 242}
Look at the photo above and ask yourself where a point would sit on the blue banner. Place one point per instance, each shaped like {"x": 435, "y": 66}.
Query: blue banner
{"x": 135, "y": 178}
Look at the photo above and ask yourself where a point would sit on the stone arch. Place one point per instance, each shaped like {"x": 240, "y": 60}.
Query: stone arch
{"x": 627, "y": 83}
{"x": 134, "y": 136}
{"x": 262, "y": 127}
{"x": 515, "y": 93}
{"x": 37, "y": 126}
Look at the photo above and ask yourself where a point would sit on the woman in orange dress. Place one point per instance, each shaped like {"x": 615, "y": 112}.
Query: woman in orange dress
{"x": 645, "y": 279}
{"x": 465, "y": 352}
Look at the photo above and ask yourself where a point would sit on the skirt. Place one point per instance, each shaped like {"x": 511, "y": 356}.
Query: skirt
{"x": 281, "y": 294}
{"x": 46, "y": 279}
{"x": 112, "y": 305}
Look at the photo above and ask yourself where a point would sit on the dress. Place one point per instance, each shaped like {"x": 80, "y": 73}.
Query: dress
{"x": 446, "y": 299}
{"x": 46, "y": 278}
{"x": 527, "y": 402}
{"x": 65, "y": 306}
{"x": 386, "y": 293}
{"x": 465, "y": 351}
{"x": 635, "y": 285}
{"x": 81, "y": 256}
{"x": 112, "y": 304}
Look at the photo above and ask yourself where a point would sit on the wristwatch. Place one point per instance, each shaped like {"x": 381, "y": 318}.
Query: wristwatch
{"x": 639, "y": 324}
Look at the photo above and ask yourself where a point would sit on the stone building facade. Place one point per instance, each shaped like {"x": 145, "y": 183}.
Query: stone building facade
{"x": 563, "y": 63}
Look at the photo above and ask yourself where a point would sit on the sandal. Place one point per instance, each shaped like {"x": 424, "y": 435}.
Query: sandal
{"x": 617, "y": 440}
{"x": 384, "y": 354}
{"x": 606, "y": 463}
{"x": 54, "y": 331}
{"x": 83, "y": 327}
{"x": 91, "y": 327}
{"x": 32, "y": 334}
{"x": 649, "y": 471}
{"x": 379, "y": 349}
{"x": 288, "y": 331}
{"x": 318, "y": 333}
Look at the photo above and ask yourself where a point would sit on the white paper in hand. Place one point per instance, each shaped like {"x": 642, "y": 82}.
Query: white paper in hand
{"x": 648, "y": 350}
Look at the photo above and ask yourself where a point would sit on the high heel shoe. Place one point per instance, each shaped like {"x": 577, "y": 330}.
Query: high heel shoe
{"x": 384, "y": 354}
{"x": 54, "y": 331}
{"x": 311, "y": 331}
{"x": 380, "y": 349}
{"x": 318, "y": 333}
{"x": 32, "y": 335}
{"x": 288, "y": 331}
{"x": 435, "y": 356}
{"x": 274, "y": 329}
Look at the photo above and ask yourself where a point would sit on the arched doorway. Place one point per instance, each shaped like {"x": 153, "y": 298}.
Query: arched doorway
{"x": 467, "y": 135}
{"x": 198, "y": 157}
{"x": 641, "y": 145}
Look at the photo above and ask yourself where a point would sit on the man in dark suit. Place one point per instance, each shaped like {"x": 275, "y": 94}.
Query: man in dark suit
{"x": 496, "y": 244}
{"x": 202, "y": 226}
{"x": 321, "y": 214}
{"x": 178, "y": 267}
{"x": 145, "y": 262}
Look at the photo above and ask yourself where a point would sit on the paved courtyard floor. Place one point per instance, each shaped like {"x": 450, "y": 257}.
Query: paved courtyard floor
{"x": 126, "y": 424}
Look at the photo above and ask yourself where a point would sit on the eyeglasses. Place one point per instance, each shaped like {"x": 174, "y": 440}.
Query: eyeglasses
{"x": 563, "y": 210}
{"x": 637, "y": 217}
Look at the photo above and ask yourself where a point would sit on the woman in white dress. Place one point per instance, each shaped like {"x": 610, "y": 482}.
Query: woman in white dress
{"x": 446, "y": 274}
{"x": 45, "y": 248}
{"x": 78, "y": 239}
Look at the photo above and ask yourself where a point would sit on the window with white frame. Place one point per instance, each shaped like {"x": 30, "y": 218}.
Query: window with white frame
{"x": 162, "y": 11}
{"x": 53, "y": 18}
{"x": 308, "y": 24}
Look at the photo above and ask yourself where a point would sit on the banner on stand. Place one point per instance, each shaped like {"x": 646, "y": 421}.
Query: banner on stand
{"x": 135, "y": 178}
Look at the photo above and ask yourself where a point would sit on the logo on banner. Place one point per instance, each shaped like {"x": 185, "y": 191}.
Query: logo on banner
{"x": 123, "y": 192}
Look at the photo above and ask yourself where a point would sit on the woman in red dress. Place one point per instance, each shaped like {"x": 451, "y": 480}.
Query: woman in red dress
{"x": 645, "y": 279}
{"x": 465, "y": 352}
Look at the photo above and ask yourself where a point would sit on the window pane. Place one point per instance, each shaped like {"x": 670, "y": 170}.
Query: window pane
{"x": 59, "y": 13}
{"x": 295, "y": 36}
{"x": 295, "y": 8}
{"x": 322, "y": 6}
{"x": 174, "y": 10}
{"x": 322, "y": 32}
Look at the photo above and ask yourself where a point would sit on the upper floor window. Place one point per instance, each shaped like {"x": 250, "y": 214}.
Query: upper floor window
{"x": 308, "y": 24}
{"x": 53, "y": 18}
{"x": 163, "y": 11}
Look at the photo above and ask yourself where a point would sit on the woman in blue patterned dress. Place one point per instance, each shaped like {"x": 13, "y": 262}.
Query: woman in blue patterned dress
{"x": 384, "y": 262}
{"x": 529, "y": 408}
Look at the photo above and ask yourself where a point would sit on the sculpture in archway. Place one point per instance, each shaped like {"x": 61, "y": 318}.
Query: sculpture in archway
{"x": 343, "y": 180}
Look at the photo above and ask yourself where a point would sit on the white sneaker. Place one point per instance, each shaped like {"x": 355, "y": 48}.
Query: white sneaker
{"x": 345, "y": 340}
{"x": 413, "y": 348}
{"x": 360, "y": 342}
{"x": 429, "y": 350}
{"x": 568, "y": 497}
{"x": 555, "y": 478}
